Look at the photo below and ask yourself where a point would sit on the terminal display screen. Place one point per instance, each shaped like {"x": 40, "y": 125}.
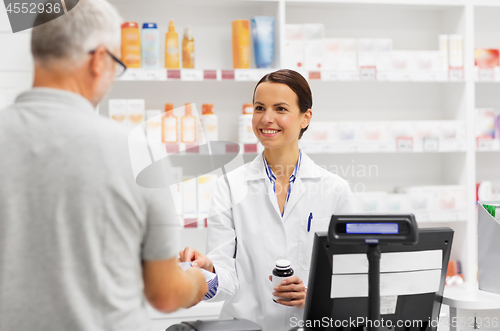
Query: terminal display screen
{"x": 372, "y": 228}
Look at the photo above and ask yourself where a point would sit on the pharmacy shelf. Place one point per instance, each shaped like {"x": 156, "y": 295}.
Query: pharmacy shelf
{"x": 254, "y": 75}
{"x": 341, "y": 147}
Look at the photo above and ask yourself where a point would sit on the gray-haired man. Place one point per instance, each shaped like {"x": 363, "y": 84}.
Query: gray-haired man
{"x": 81, "y": 245}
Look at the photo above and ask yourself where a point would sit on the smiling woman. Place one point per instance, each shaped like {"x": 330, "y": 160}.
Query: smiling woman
{"x": 269, "y": 210}
{"x": 296, "y": 83}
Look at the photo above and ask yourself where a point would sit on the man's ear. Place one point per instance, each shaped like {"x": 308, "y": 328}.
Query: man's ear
{"x": 307, "y": 119}
{"x": 98, "y": 61}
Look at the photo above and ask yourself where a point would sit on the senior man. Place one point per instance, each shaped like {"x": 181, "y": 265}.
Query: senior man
{"x": 81, "y": 244}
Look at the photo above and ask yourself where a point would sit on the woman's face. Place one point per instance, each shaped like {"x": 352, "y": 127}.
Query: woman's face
{"x": 277, "y": 120}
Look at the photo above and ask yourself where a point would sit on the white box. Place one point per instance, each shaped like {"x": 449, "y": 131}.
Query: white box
{"x": 293, "y": 56}
{"x": 397, "y": 203}
{"x": 452, "y": 135}
{"x": 136, "y": 109}
{"x": 485, "y": 123}
{"x": 456, "y": 52}
{"x": 443, "y": 51}
{"x": 153, "y": 126}
{"x": 189, "y": 198}
{"x": 426, "y": 136}
{"x": 428, "y": 61}
{"x": 403, "y": 60}
{"x": 321, "y": 131}
{"x": 314, "y": 31}
{"x": 348, "y": 54}
{"x": 206, "y": 185}
{"x": 313, "y": 54}
{"x": 176, "y": 191}
{"x": 452, "y": 197}
{"x": 117, "y": 110}
{"x": 423, "y": 198}
{"x": 349, "y": 131}
{"x": 367, "y": 56}
{"x": 331, "y": 55}
{"x": 371, "y": 202}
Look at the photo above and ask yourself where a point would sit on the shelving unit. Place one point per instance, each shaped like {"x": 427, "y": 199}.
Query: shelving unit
{"x": 338, "y": 95}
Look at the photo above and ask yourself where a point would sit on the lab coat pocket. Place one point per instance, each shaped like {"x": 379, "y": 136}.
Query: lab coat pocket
{"x": 306, "y": 239}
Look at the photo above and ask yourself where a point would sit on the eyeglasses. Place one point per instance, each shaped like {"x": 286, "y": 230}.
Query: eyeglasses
{"x": 120, "y": 67}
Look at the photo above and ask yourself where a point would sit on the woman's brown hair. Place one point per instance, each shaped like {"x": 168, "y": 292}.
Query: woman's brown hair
{"x": 297, "y": 83}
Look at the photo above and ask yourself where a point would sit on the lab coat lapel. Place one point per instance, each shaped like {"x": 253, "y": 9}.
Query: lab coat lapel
{"x": 298, "y": 190}
{"x": 272, "y": 197}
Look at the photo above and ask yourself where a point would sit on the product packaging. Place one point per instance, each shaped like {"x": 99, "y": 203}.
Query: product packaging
{"x": 397, "y": 203}
{"x": 366, "y": 53}
{"x": 171, "y": 48}
{"x": 371, "y": 202}
{"x": 206, "y": 185}
{"x": 190, "y": 201}
{"x": 150, "y": 46}
{"x": 349, "y": 131}
{"x": 177, "y": 194}
{"x": 245, "y": 128}
{"x": 383, "y": 54}
{"x": 443, "y": 51}
{"x": 136, "y": 109}
{"x": 331, "y": 53}
{"x": 169, "y": 126}
{"x": 403, "y": 60}
{"x": 131, "y": 45}
{"x": 263, "y": 40}
{"x": 348, "y": 54}
{"x": 118, "y": 110}
{"x": 241, "y": 44}
{"x": 209, "y": 125}
{"x": 314, "y": 46}
{"x": 456, "y": 52}
{"x": 188, "y": 49}
{"x": 293, "y": 54}
{"x": 188, "y": 125}
{"x": 485, "y": 123}
{"x": 486, "y": 58}
{"x": 426, "y": 136}
{"x": 153, "y": 133}
{"x": 452, "y": 135}
{"x": 153, "y": 126}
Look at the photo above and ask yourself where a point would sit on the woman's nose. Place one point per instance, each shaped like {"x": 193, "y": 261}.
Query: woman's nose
{"x": 268, "y": 116}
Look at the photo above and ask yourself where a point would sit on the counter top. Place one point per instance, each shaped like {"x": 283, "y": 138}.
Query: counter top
{"x": 470, "y": 297}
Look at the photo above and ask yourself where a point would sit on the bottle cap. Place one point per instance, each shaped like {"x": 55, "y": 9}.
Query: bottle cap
{"x": 169, "y": 107}
{"x": 130, "y": 25}
{"x": 248, "y": 108}
{"x": 283, "y": 264}
{"x": 171, "y": 27}
{"x": 149, "y": 26}
{"x": 207, "y": 109}
{"x": 188, "y": 109}
{"x": 188, "y": 33}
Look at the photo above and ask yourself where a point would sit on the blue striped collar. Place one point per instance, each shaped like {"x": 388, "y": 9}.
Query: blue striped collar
{"x": 272, "y": 176}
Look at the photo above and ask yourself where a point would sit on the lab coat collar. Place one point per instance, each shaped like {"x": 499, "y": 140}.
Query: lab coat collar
{"x": 308, "y": 169}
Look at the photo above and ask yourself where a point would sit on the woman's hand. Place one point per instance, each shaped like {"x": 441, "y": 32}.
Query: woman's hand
{"x": 291, "y": 288}
{"x": 197, "y": 259}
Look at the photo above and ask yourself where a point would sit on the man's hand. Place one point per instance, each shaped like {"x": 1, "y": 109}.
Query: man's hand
{"x": 197, "y": 259}
{"x": 198, "y": 278}
{"x": 291, "y": 288}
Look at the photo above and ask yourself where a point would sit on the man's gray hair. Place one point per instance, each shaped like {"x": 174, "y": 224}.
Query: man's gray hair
{"x": 72, "y": 36}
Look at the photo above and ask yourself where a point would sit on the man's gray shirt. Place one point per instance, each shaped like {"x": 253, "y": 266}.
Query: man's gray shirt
{"x": 74, "y": 225}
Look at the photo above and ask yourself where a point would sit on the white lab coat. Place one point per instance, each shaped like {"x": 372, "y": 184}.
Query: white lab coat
{"x": 245, "y": 241}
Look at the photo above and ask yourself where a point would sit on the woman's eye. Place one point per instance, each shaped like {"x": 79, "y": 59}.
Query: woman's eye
{"x": 281, "y": 109}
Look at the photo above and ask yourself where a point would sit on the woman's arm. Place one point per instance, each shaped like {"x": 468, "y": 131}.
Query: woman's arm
{"x": 221, "y": 241}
